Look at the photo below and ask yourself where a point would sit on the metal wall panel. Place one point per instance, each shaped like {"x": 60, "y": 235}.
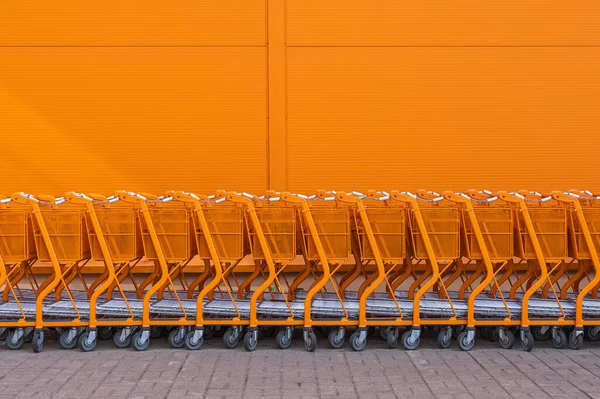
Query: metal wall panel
{"x": 443, "y": 23}
{"x": 443, "y": 118}
{"x": 143, "y": 119}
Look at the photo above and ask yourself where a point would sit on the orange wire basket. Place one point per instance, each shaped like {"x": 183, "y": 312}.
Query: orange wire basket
{"x": 497, "y": 228}
{"x": 226, "y": 223}
{"x": 550, "y": 225}
{"x": 443, "y": 228}
{"x": 121, "y": 230}
{"x": 17, "y": 242}
{"x": 68, "y": 235}
{"x": 333, "y": 228}
{"x": 278, "y": 224}
{"x": 389, "y": 230}
{"x": 174, "y": 229}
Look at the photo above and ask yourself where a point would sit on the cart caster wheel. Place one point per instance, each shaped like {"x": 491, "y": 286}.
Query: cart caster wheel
{"x": 444, "y": 338}
{"x": 310, "y": 341}
{"x": 383, "y": 333}
{"x": 176, "y": 340}
{"x": 283, "y": 342}
{"x": 508, "y": 340}
{"x": 13, "y": 343}
{"x": 493, "y": 335}
{"x": 84, "y": 344}
{"x": 355, "y": 342}
{"x": 593, "y": 333}
{"x": 575, "y": 340}
{"x": 231, "y": 338}
{"x": 464, "y": 343}
{"x": 541, "y": 333}
{"x": 392, "y": 338}
{"x": 104, "y": 333}
{"x": 121, "y": 342}
{"x": 138, "y": 344}
{"x": 434, "y": 330}
{"x": 559, "y": 340}
{"x": 37, "y": 342}
{"x": 408, "y": 343}
{"x": 155, "y": 332}
{"x": 64, "y": 341}
{"x": 456, "y": 331}
{"x": 250, "y": 341}
{"x": 218, "y": 331}
{"x": 485, "y": 333}
{"x": 3, "y": 334}
{"x": 29, "y": 336}
{"x": 208, "y": 332}
{"x": 527, "y": 342}
{"x": 189, "y": 344}
{"x": 335, "y": 339}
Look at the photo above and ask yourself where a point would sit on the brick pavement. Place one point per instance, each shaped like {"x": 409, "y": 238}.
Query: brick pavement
{"x": 486, "y": 372}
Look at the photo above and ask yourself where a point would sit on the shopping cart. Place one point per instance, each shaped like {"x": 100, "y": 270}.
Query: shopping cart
{"x": 584, "y": 223}
{"x": 487, "y": 240}
{"x": 60, "y": 238}
{"x": 168, "y": 241}
{"x": 222, "y": 241}
{"x": 115, "y": 240}
{"x": 17, "y": 256}
{"x": 541, "y": 241}
{"x": 433, "y": 226}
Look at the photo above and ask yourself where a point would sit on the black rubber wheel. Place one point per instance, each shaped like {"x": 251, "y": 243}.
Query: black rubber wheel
{"x": 433, "y": 330}
{"x": 155, "y": 332}
{"x": 175, "y": 340}
{"x": 14, "y": 345}
{"x": 283, "y": 342}
{"x": 485, "y": 333}
{"x": 188, "y": 341}
{"x": 4, "y": 334}
{"x": 208, "y": 332}
{"x": 121, "y": 343}
{"x": 383, "y": 332}
{"x": 335, "y": 341}
{"x": 138, "y": 345}
{"x": 65, "y": 343}
{"x": 575, "y": 340}
{"x": 560, "y": 340}
{"x": 310, "y": 342}
{"x": 230, "y": 340}
{"x": 527, "y": 341}
{"x": 392, "y": 338}
{"x": 463, "y": 341}
{"x": 37, "y": 342}
{"x": 84, "y": 345}
{"x": 508, "y": 341}
{"x": 29, "y": 336}
{"x": 457, "y": 330}
{"x": 218, "y": 331}
{"x": 444, "y": 339}
{"x": 539, "y": 334}
{"x": 105, "y": 333}
{"x": 355, "y": 343}
{"x": 494, "y": 335}
{"x": 250, "y": 342}
{"x": 406, "y": 342}
{"x": 593, "y": 333}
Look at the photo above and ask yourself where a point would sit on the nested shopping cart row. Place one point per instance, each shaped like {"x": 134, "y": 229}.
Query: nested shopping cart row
{"x": 514, "y": 265}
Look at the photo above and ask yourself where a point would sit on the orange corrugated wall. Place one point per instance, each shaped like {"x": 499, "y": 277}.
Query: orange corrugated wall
{"x": 299, "y": 95}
